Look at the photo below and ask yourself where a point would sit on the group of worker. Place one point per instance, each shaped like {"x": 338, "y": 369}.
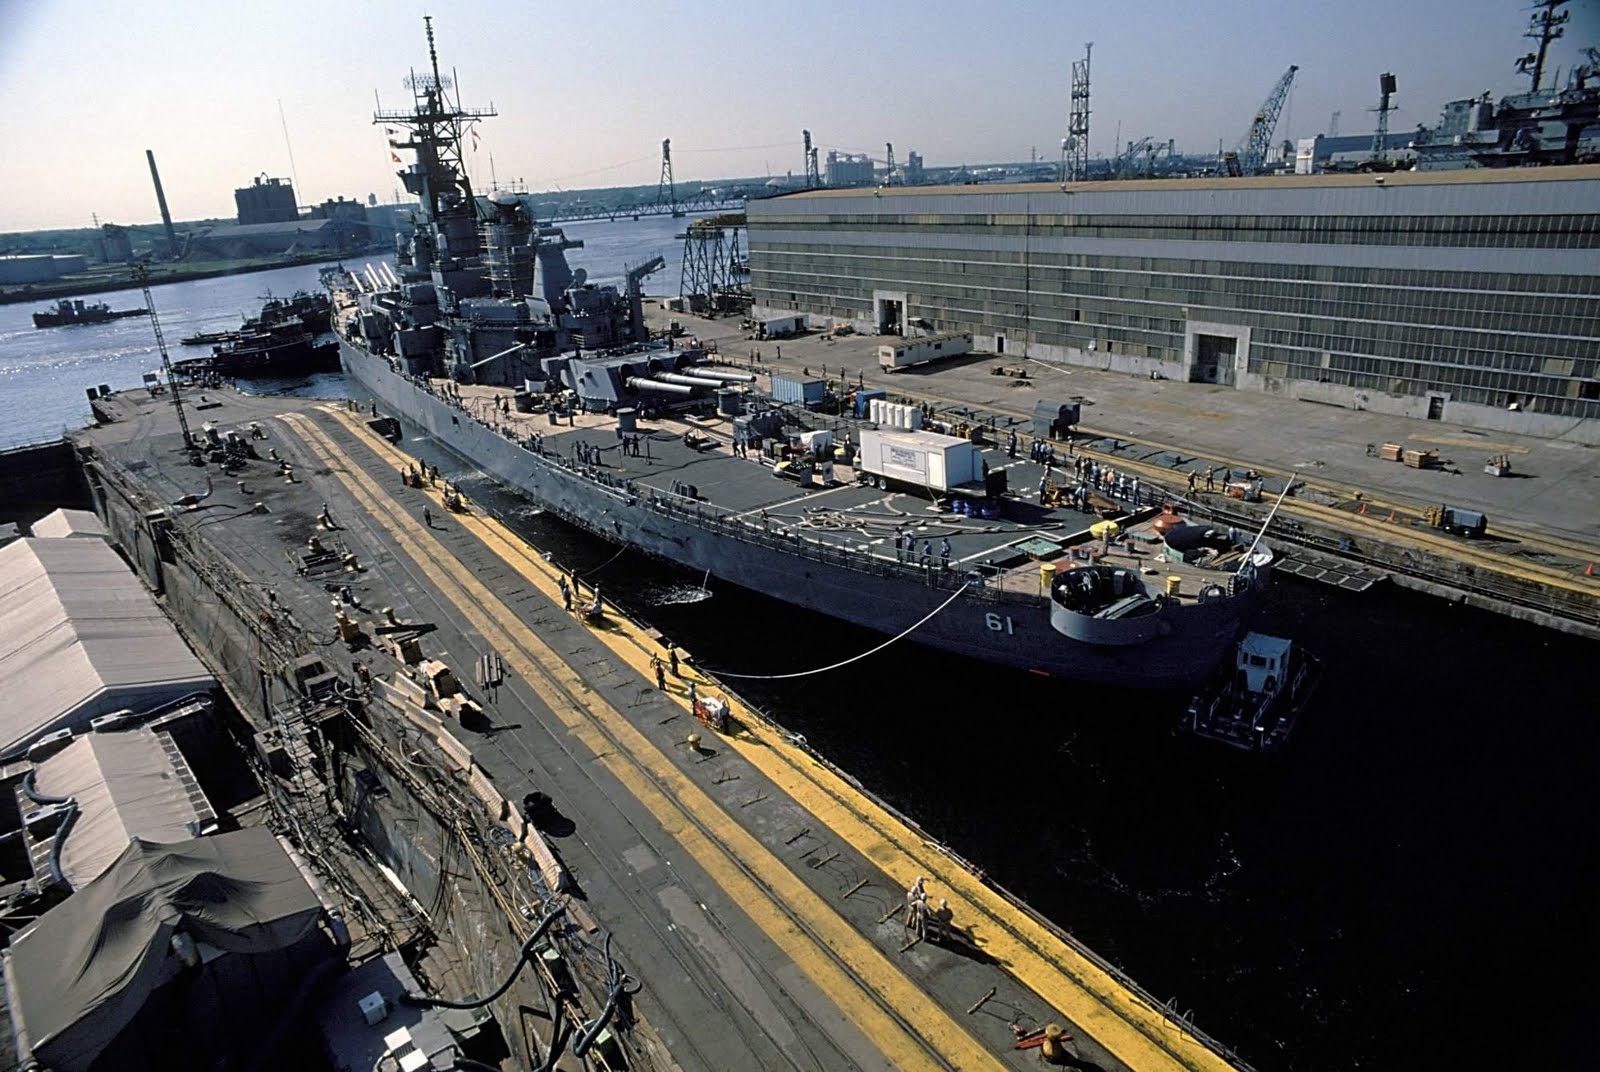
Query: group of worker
{"x": 630, "y": 446}
{"x": 586, "y": 453}
{"x": 1210, "y": 478}
{"x": 922, "y": 920}
{"x": 905, "y": 549}
{"x": 661, "y": 669}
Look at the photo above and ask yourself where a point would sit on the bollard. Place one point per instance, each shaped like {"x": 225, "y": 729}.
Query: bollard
{"x": 693, "y": 741}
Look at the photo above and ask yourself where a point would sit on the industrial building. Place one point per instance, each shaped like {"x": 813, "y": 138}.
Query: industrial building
{"x": 269, "y": 239}
{"x": 266, "y": 201}
{"x": 1469, "y": 296}
{"x": 850, "y": 169}
{"x": 20, "y": 268}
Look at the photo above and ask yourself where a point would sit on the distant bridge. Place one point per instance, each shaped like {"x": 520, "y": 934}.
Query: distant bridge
{"x": 725, "y": 201}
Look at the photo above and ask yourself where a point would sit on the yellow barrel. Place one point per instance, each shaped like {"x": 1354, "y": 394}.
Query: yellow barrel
{"x": 1174, "y": 585}
{"x": 1047, "y": 575}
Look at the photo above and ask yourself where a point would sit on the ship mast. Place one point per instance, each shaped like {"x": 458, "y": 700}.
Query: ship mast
{"x": 435, "y": 124}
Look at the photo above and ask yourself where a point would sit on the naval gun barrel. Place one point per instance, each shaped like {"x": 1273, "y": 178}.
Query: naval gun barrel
{"x": 691, "y": 381}
{"x": 638, "y": 383}
{"x": 724, "y": 377}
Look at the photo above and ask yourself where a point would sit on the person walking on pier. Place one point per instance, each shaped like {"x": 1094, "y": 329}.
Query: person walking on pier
{"x": 661, "y": 674}
{"x": 944, "y": 553}
{"x": 672, "y": 660}
{"x": 1192, "y": 481}
{"x": 927, "y": 552}
{"x": 1211, "y": 478}
{"x": 566, "y": 593}
{"x": 1011, "y": 445}
{"x": 427, "y": 517}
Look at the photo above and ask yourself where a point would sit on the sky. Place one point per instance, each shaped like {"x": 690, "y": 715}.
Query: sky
{"x": 586, "y": 92}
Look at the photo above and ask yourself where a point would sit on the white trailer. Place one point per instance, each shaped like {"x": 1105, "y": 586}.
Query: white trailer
{"x": 908, "y": 352}
{"x": 925, "y": 460}
{"x": 782, "y": 327}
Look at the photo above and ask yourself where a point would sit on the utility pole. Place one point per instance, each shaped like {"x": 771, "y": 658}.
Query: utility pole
{"x": 142, "y": 277}
{"x": 1333, "y": 124}
{"x": 1546, "y": 24}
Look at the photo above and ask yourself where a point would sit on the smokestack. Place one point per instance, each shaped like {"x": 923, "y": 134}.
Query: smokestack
{"x": 161, "y": 199}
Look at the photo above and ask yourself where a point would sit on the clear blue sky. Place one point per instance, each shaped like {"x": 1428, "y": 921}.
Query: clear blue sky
{"x": 586, "y": 91}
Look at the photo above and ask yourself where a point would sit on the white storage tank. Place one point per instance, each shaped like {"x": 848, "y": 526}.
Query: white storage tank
{"x": 875, "y": 410}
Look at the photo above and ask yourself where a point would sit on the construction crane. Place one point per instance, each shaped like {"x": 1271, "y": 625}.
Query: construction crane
{"x": 142, "y": 277}
{"x": 1249, "y": 159}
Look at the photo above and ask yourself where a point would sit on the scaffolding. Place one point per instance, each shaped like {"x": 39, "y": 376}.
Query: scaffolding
{"x": 714, "y": 280}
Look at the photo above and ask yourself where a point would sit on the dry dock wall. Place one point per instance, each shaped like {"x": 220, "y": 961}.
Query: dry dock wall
{"x": 36, "y": 480}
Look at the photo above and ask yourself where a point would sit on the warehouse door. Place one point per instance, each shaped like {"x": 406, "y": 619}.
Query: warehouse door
{"x": 891, "y": 316}
{"x": 1214, "y": 359}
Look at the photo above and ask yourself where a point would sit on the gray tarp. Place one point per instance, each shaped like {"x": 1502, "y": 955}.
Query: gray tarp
{"x": 85, "y": 969}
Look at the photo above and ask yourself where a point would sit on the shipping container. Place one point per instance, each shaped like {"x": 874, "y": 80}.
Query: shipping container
{"x": 919, "y": 459}
{"x": 908, "y": 352}
{"x": 798, "y": 392}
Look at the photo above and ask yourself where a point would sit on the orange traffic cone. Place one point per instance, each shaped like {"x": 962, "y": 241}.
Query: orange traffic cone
{"x": 1390, "y": 517}
{"x": 1590, "y": 571}
{"x": 1363, "y": 510}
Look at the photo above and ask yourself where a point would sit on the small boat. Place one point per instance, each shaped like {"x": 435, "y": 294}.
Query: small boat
{"x": 1253, "y": 704}
{"x": 70, "y": 311}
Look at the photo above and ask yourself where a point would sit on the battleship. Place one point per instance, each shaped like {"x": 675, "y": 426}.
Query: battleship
{"x": 69, "y": 311}
{"x": 487, "y": 340}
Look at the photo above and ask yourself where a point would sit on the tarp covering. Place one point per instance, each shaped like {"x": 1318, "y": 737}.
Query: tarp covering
{"x": 79, "y": 637}
{"x": 86, "y": 968}
{"x": 127, "y": 786}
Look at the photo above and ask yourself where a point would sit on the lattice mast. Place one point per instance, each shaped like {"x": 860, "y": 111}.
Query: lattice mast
{"x": 1380, "y": 140}
{"x": 666, "y": 191}
{"x": 436, "y": 124}
{"x": 1075, "y": 146}
{"x": 813, "y": 174}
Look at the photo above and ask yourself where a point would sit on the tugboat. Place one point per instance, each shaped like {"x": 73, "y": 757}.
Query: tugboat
{"x": 1254, "y": 704}
{"x": 289, "y": 337}
{"x": 69, "y": 311}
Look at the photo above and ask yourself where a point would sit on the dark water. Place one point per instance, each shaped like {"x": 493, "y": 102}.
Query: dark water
{"x": 1410, "y": 885}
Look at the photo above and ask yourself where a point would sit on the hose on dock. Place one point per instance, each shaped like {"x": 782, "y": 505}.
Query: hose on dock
{"x": 527, "y": 954}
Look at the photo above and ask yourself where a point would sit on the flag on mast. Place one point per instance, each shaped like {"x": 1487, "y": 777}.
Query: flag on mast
{"x": 395, "y": 157}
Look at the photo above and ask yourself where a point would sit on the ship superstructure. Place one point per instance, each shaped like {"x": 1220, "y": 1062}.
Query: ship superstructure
{"x": 491, "y": 344}
{"x": 484, "y": 293}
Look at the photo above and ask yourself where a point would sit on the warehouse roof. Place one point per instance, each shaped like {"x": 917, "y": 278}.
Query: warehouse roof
{"x": 1569, "y": 173}
{"x": 88, "y": 966}
{"x": 76, "y": 626}
{"x": 65, "y": 522}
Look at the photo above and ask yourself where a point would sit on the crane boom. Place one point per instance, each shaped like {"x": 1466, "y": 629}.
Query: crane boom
{"x": 142, "y": 277}
{"x": 1259, "y": 139}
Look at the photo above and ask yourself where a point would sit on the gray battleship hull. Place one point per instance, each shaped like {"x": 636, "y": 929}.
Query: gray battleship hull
{"x": 1004, "y": 628}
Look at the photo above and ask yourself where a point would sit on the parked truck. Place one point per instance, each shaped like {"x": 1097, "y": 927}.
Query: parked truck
{"x": 920, "y": 351}
{"x": 923, "y": 460}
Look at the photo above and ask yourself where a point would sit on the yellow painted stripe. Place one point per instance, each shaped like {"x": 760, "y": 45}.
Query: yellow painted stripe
{"x": 815, "y": 936}
{"x": 1118, "y": 1019}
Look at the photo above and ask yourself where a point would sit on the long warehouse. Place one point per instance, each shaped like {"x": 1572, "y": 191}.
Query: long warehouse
{"x": 1468, "y": 296}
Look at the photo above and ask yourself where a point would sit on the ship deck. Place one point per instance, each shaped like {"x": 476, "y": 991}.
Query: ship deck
{"x": 852, "y": 516}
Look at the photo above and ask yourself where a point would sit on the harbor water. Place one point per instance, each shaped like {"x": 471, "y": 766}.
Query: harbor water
{"x": 1410, "y": 884}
